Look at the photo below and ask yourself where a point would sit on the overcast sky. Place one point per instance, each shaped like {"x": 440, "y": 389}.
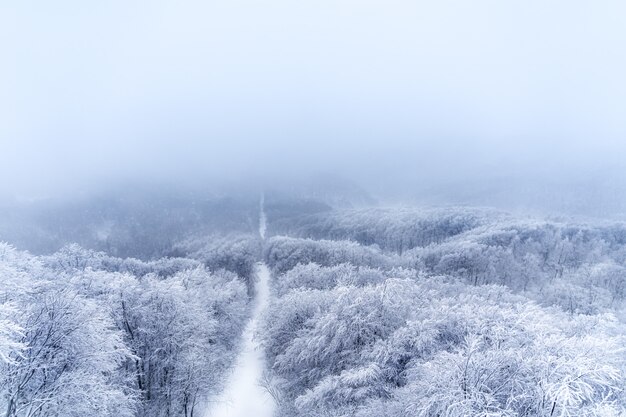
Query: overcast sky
{"x": 99, "y": 90}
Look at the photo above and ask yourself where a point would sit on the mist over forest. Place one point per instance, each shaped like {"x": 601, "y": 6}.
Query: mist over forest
{"x": 263, "y": 208}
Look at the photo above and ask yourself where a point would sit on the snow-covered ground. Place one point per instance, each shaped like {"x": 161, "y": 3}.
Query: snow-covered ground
{"x": 243, "y": 395}
{"x": 262, "y": 218}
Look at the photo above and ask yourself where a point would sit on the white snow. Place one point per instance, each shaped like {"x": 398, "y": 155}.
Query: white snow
{"x": 262, "y": 218}
{"x": 243, "y": 395}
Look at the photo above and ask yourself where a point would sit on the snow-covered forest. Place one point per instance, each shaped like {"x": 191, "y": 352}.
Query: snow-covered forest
{"x": 455, "y": 312}
{"x": 312, "y": 208}
{"x": 371, "y": 311}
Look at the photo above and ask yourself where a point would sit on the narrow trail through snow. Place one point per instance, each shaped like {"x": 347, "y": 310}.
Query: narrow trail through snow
{"x": 262, "y": 217}
{"x": 243, "y": 395}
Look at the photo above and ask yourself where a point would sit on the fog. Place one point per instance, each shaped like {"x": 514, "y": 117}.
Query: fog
{"x": 402, "y": 97}
{"x": 312, "y": 208}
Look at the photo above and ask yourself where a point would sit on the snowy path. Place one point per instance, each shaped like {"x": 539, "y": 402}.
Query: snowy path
{"x": 262, "y": 218}
{"x": 243, "y": 396}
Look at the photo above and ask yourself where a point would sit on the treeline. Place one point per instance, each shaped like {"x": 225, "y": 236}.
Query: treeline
{"x": 234, "y": 252}
{"x": 579, "y": 266}
{"x": 139, "y": 222}
{"x": 284, "y": 253}
{"x": 87, "y": 334}
{"x": 394, "y": 230}
{"x": 489, "y": 316}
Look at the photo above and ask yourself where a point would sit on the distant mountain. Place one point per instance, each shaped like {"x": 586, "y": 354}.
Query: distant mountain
{"x": 142, "y": 222}
{"x": 591, "y": 196}
{"x": 330, "y": 190}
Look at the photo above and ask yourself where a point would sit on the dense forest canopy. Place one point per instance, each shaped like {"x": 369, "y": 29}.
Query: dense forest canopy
{"x": 373, "y": 311}
{"x": 313, "y": 208}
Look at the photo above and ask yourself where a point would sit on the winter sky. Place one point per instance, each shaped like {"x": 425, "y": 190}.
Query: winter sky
{"x": 93, "y": 91}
